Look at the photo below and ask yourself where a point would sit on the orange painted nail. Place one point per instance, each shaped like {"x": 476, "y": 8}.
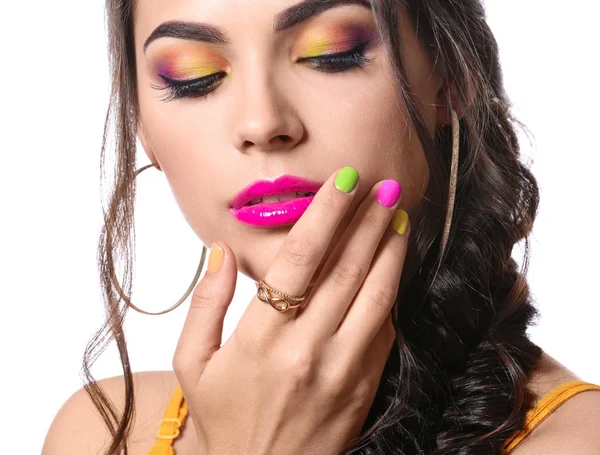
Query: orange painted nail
{"x": 216, "y": 258}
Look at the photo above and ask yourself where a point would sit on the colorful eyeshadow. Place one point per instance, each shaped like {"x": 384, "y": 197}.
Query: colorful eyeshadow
{"x": 186, "y": 64}
{"x": 332, "y": 40}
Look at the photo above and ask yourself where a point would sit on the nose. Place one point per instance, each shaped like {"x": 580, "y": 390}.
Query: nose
{"x": 265, "y": 118}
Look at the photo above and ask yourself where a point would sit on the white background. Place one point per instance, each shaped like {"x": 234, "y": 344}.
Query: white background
{"x": 54, "y": 78}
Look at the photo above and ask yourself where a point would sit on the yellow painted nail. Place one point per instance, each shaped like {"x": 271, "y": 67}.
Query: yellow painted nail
{"x": 400, "y": 221}
{"x": 216, "y": 258}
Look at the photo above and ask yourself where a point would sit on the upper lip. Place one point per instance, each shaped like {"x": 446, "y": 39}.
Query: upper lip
{"x": 284, "y": 184}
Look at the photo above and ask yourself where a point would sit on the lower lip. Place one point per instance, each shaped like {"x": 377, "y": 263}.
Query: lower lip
{"x": 272, "y": 214}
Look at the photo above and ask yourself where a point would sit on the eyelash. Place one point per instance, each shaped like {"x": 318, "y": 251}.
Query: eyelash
{"x": 201, "y": 87}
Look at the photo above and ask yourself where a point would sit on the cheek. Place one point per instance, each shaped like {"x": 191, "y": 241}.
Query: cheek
{"x": 369, "y": 128}
{"x": 188, "y": 154}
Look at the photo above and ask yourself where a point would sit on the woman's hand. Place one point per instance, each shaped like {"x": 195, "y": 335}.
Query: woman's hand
{"x": 300, "y": 381}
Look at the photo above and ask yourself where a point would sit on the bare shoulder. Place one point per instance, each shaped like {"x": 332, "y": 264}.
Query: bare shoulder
{"x": 574, "y": 427}
{"x": 78, "y": 427}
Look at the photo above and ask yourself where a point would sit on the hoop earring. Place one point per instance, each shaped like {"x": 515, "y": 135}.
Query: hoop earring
{"x": 190, "y": 288}
{"x": 453, "y": 178}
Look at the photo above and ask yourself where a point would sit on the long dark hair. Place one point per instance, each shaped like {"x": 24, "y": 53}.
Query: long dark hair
{"x": 456, "y": 381}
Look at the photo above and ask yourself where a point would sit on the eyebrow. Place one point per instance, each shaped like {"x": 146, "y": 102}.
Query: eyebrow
{"x": 289, "y": 17}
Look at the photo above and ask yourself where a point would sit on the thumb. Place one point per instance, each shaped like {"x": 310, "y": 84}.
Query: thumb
{"x": 203, "y": 327}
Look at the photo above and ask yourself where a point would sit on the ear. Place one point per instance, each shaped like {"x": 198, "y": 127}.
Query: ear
{"x": 146, "y": 144}
{"x": 443, "y": 111}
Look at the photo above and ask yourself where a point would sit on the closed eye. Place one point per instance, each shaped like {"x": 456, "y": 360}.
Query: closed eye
{"x": 194, "y": 88}
{"x": 201, "y": 87}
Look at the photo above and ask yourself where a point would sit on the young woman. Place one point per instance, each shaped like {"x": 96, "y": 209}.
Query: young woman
{"x": 358, "y": 159}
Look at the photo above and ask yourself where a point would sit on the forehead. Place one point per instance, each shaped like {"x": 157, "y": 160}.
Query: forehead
{"x": 204, "y": 9}
{"x": 232, "y": 8}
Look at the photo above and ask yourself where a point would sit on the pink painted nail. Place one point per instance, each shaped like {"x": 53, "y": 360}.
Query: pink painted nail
{"x": 389, "y": 193}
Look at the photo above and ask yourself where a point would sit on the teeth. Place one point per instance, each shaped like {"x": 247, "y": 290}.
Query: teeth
{"x": 279, "y": 197}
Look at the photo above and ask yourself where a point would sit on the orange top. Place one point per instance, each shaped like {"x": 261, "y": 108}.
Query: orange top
{"x": 546, "y": 406}
{"x": 177, "y": 412}
{"x": 170, "y": 425}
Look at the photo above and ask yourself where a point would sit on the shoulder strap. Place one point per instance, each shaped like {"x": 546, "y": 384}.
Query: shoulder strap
{"x": 170, "y": 425}
{"x": 545, "y": 406}
{"x": 177, "y": 411}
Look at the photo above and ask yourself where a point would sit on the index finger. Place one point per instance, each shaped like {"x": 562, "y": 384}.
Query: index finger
{"x": 302, "y": 251}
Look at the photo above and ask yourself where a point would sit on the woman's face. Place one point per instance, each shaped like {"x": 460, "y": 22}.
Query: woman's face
{"x": 273, "y": 113}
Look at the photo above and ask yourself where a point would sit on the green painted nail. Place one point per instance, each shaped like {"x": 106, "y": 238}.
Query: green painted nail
{"x": 346, "y": 179}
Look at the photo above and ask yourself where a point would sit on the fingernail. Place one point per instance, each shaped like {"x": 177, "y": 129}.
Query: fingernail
{"x": 389, "y": 193}
{"x": 216, "y": 258}
{"x": 400, "y": 221}
{"x": 346, "y": 179}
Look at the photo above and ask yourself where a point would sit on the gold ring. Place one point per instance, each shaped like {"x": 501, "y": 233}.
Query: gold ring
{"x": 264, "y": 295}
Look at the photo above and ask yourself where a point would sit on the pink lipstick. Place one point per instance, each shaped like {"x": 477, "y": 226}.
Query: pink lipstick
{"x": 277, "y": 203}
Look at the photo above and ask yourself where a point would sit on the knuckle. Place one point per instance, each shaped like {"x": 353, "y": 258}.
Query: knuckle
{"x": 337, "y": 383}
{"x": 363, "y": 391}
{"x": 301, "y": 367}
{"x": 347, "y": 273}
{"x": 301, "y": 252}
{"x": 329, "y": 200}
{"x": 381, "y": 297}
{"x": 376, "y": 218}
{"x": 204, "y": 298}
{"x": 364, "y": 394}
